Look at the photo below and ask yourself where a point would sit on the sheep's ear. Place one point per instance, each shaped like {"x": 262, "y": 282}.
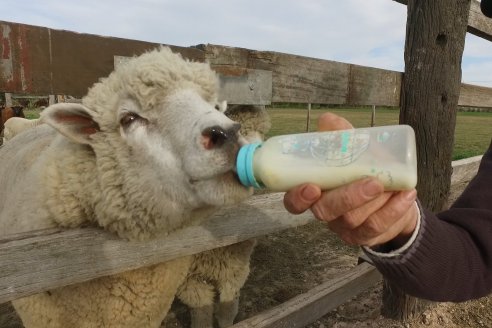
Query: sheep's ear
{"x": 72, "y": 120}
{"x": 222, "y": 106}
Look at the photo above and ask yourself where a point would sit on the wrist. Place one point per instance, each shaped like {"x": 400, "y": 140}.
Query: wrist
{"x": 406, "y": 234}
{"x": 403, "y": 241}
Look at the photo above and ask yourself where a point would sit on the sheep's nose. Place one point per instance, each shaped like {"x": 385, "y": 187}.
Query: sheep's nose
{"x": 216, "y": 136}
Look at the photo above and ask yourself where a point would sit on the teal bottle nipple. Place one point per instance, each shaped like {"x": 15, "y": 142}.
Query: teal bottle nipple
{"x": 244, "y": 165}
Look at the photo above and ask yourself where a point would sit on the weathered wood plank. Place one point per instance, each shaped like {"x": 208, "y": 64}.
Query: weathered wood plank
{"x": 310, "y": 80}
{"x": 478, "y": 24}
{"x": 475, "y": 96}
{"x": 373, "y": 86}
{"x": 308, "y": 307}
{"x": 465, "y": 169}
{"x": 295, "y": 78}
{"x": 43, "y": 260}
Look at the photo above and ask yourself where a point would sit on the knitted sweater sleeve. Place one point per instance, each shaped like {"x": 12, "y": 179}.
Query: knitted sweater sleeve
{"x": 451, "y": 256}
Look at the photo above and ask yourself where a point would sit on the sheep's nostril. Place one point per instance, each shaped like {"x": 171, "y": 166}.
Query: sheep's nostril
{"x": 216, "y": 136}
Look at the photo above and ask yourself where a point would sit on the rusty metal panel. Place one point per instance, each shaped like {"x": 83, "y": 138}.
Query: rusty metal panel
{"x": 38, "y": 60}
{"x": 24, "y": 63}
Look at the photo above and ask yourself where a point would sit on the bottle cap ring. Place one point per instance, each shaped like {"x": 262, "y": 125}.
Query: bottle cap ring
{"x": 244, "y": 165}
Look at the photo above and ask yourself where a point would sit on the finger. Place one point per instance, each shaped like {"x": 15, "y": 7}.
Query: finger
{"x": 301, "y": 198}
{"x": 386, "y": 223}
{"x": 332, "y": 122}
{"x": 336, "y": 202}
{"x": 356, "y": 217}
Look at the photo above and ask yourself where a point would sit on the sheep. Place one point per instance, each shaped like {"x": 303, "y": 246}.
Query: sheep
{"x": 7, "y": 112}
{"x": 11, "y": 111}
{"x": 144, "y": 154}
{"x": 223, "y": 271}
{"x": 15, "y": 125}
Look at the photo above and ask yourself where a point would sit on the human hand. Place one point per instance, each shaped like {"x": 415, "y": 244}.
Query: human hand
{"x": 361, "y": 212}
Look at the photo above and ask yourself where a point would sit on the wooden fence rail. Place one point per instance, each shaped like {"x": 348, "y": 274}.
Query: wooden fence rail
{"x": 41, "y": 260}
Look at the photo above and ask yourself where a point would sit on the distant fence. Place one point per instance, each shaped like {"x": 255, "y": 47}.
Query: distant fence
{"x": 43, "y": 61}
{"x": 38, "y": 60}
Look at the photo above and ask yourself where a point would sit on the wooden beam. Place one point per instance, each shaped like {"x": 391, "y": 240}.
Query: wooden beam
{"x": 299, "y": 79}
{"x": 475, "y": 96}
{"x": 43, "y": 260}
{"x": 478, "y": 24}
{"x": 308, "y": 307}
{"x": 465, "y": 169}
{"x": 8, "y": 100}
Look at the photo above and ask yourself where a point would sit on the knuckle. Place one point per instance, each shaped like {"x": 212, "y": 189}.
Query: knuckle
{"x": 346, "y": 198}
{"x": 348, "y": 239}
{"x": 320, "y": 213}
{"x": 372, "y": 228}
{"x": 350, "y": 220}
{"x": 292, "y": 205}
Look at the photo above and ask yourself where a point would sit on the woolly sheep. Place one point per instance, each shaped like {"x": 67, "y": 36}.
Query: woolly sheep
{"x": 223, "y": 271}
{"x": 145, "y": 153}
{"x": 15, "y": 125}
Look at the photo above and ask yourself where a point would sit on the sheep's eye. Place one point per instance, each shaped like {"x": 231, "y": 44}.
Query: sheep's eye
{"x": 128, "y": 119}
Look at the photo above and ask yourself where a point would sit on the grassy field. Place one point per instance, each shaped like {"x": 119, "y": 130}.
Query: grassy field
{"x": 472, "y": 134}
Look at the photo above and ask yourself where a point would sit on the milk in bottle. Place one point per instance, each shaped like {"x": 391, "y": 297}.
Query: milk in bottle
{"x": 331, "y": 159}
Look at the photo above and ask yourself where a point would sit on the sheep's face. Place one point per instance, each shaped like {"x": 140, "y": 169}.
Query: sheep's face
{"x": 183, "y": 148}
{"x": 189, "y": 143}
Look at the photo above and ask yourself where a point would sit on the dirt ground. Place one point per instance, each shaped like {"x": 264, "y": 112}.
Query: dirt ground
{"x": 291, "y": 262}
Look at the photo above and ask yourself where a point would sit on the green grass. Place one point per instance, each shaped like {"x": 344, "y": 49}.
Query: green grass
{"x": 31, "y": 113}
{"x": 472, "y": 134}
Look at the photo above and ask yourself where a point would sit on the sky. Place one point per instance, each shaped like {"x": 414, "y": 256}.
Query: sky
{"x": 363, "y": 32}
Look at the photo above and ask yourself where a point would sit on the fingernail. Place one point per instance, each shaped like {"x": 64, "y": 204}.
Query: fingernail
{"x": 372, "y": 188}
{"x": 310, "y": 193}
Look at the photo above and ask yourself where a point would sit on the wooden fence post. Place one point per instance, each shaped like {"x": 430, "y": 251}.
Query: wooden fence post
{"x": 373, "y": 115}
{"x": 429, "y": 100}
{"x": 8, "y": 100}
{"x": 308, "y": 120}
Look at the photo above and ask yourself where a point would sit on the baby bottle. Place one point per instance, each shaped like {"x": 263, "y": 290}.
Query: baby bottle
{"x": 331, "y": 159}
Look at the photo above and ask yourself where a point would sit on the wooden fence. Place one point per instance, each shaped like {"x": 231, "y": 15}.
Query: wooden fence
{"x": 34, "y": 262}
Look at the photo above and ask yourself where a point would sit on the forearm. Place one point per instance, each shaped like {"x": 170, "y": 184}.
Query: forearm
{"x": 445, "y": 263}
{"x": 451, "y": 256}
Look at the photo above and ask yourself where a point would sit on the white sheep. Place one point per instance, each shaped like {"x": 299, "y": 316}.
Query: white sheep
{"x": 220, "y": 273}
{"x": 15, "y": 125}
{"x": 145, "y": 153}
